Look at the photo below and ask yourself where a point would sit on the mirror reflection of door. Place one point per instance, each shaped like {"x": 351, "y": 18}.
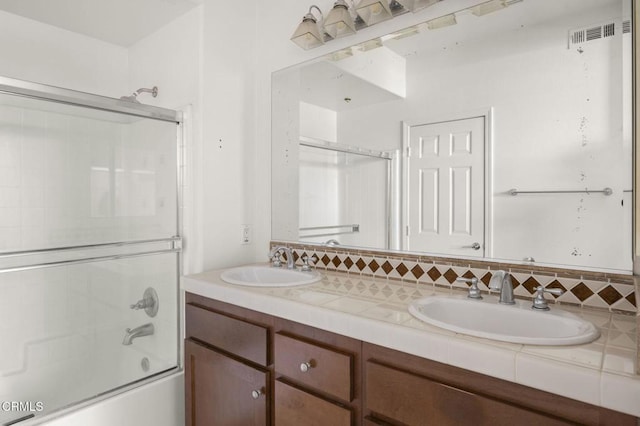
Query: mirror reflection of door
{"x": 444, "y": 178}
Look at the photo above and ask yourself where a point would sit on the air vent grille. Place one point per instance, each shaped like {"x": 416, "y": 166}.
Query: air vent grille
{"x": 594, "y": 33}
{"x": 609, "y": 30}
{"x": 577, "y": 37}
{"x": 597, "y": 32}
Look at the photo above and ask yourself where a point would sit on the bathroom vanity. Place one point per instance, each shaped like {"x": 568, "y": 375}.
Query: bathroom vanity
{"x": 320, "y": 354}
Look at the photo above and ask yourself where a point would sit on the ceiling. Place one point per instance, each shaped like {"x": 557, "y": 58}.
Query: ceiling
{"x": 120, "y": 22}
{"x": 327, "y": 85}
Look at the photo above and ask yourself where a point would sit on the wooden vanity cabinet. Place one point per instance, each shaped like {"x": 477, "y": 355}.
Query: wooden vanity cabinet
{"x": 246, "y": 368}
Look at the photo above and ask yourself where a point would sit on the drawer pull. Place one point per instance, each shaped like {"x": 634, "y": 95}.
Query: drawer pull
{"x": 305, "y": 366}
{"x": 256, "y": 393}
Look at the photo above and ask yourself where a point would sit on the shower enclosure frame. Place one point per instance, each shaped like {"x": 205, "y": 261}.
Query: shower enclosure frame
{"x": 26, "y": 89}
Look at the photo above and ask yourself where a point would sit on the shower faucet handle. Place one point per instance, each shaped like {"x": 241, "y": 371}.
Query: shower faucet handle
{"x": 141, "y": 304}
{"x": 149, "y": 302}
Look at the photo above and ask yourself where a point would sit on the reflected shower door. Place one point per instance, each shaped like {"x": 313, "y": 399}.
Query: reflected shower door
{"x": 344, "y": 197}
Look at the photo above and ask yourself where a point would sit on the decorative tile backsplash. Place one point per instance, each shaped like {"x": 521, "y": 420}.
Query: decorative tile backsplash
{"x": 613, "y": 292}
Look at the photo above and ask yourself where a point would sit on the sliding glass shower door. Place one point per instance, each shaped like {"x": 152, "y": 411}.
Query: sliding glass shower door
{"x": 89, "y": 247}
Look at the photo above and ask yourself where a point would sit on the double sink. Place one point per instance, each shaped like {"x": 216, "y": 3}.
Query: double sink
{"x": 485, "y": 318}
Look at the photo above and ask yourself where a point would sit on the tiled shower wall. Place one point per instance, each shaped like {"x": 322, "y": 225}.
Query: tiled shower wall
{"x": 613, "y": 292}
{"x": 68, "y": 179}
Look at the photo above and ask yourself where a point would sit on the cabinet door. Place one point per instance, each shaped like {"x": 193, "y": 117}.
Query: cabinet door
{"x": 294, "y": 407}
{"x": 222, "y": 391}
{"x": 401, "y": 397}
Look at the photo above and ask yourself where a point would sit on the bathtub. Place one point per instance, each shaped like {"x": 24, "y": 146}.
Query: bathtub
{"x": 159, "y": 403}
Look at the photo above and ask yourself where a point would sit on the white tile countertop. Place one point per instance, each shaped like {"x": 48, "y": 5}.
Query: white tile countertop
{"x": 375, "y": 310}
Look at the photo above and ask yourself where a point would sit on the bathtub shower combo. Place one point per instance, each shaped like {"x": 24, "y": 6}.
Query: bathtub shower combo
{"x": 89, "y": 247}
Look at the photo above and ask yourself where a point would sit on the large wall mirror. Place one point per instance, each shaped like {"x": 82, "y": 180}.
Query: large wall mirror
{"x": 504, "y": 136}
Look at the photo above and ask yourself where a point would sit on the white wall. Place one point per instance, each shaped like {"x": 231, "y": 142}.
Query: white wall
{"x": 230, "y": 147}
{"x": 171, "y": 58}
{"x": 45, "y": 54}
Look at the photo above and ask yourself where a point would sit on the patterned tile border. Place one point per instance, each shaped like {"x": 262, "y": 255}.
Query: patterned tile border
{"x": 612, "y": 292}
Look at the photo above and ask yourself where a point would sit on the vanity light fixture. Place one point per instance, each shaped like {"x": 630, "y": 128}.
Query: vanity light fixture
{"x": 374, "y": 11}
{"x": 441, "y": 22}
{"x": 309, "y": 33}
{"x": 344, "y": 20}
{"x": 416, "y": 5}
{"x": 339, "y": 22}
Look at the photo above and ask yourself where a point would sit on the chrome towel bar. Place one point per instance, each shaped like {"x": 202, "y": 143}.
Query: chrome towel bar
{"x": 354, "y": 228}
{"x": 606, "y": 191}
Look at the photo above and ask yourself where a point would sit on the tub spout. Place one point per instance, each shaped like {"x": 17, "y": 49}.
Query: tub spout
{"x": 143, "y": 330}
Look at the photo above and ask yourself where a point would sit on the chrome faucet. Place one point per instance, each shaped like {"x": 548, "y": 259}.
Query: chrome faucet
{"x": 143, "y": 330}
{"x": 501, "y": 280}
{"x": 275, "y": 253}
{"x": 539, "y": 302}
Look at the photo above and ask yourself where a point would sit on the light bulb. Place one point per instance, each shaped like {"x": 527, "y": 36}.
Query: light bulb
{"x": 376, "y": 9}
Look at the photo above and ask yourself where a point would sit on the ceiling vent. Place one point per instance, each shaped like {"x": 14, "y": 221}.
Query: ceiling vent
{"x": 597, "y": 32}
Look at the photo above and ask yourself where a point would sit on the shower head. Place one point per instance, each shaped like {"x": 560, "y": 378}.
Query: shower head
{"x": 134, "y": 96}
{"x": 153, "y": 91}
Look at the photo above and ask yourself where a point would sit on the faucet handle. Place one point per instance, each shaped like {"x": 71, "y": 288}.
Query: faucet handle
{"x": 305, "y": 263}
{"x": 474, "y": 291}
{"x": 539, "y": 302}
{"x": 141, "y": 304}
{"x": 149, "y": 302}
{"x": 275, "y": 260}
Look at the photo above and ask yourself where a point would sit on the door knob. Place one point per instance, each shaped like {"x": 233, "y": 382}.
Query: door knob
{"x": 475, "y": 246}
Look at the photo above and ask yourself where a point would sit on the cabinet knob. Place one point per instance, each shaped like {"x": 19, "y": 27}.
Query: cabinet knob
{"x": 256, "y": 393}
{"x": 305, "y": 366}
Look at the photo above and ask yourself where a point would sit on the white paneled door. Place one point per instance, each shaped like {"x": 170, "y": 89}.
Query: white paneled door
{"x": 445, "y": 187}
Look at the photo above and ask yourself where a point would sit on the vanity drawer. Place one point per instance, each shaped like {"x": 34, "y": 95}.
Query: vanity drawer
{"x": 400, "y": 397}
{"x": 294, "y": 407}
{"x": 232, "y": 335}
{"x": 325, "y": 369}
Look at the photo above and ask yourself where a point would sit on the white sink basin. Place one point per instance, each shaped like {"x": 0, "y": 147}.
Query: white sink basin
{"x": 266, "y": 276}
{"x": 516, "y": 323}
